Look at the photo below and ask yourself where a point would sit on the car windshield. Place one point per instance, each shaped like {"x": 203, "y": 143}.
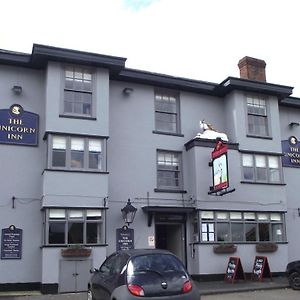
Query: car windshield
{"x": 156, "y": 263}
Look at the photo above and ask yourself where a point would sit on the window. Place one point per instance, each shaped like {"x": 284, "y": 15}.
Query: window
{"x": 78, "y": 91}
{"x": 207, "y": 226}
{"x": 74, "y": 226}
{"x": 241, "y": 227}
{"x": 77, "y": 153}
{"x": 169, "y": 170}
{"x": 167, "y": 112}
{"x": 257, "y": 116}
{"x": 261, "y": 168}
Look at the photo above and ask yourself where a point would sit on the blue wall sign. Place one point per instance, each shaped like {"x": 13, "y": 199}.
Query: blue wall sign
{"x": 291, "y": 152}
{"x": 18, "y": 127}
{"x": 125, "y": 238}
{"x": 11, "y": 243}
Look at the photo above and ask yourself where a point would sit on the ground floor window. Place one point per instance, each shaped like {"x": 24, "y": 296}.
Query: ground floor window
{"x": 238, "y": 226}
{"x": 74, "y": 226}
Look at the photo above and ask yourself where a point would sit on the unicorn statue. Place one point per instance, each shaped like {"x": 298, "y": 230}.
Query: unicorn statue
{"x": 210, "y": 133}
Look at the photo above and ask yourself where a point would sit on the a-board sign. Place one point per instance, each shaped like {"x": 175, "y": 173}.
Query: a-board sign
{"x": 234, "y": 270}
{"x": 261, "y": 268}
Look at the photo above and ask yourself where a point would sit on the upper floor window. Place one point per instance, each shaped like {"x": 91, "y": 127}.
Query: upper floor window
{"x": 74, "y": 226}
{"x": 167, "y": 112}
{"x": 169, "y": 170}
{"x": 261, "y": 168}
{"x": 77, "y": 153}
{"x": 78, "y": 91}
{"x": 257, "y": 116}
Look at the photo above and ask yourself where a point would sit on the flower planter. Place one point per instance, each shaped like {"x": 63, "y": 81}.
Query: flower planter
{"x": 226, "y": 248}
{"x": 266, "y": 247}
{"x": 79, "y": 252}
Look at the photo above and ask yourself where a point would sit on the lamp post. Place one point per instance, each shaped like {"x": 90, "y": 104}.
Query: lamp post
{"x": 128, "y": 212}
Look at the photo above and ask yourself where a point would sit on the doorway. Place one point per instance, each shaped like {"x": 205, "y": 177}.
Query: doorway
{"x": 170, "y": 234}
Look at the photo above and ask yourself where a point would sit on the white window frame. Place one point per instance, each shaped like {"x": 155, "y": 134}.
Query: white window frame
{"x": 87, "y": 151}
{"x": 252, "y": 110}
{"x": 209, "y": 221}
{"x": 165, "y": 169}
{"x": 256, "y": 166}
{"x": 80, "y": 91}
{"x": 64, "y": 216}
{"x": 160, "y": 111}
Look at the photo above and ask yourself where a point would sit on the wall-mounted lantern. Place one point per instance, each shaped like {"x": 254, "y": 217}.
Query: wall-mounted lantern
{"x": 128, "y": 212}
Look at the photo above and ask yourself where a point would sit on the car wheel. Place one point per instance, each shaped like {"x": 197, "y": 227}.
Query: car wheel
{"x": 89, "y": 295}
{"x": 294, "y": 280}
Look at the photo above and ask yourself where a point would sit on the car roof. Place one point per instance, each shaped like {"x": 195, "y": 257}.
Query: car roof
{"x": 136, "y": 252}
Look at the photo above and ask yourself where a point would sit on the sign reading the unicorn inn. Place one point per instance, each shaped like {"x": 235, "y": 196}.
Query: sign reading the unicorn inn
{"x": 18, "y": 126}
{"x": 291, "y": 152}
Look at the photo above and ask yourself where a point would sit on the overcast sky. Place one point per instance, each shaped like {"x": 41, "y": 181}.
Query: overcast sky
{"x": 196, "y": 39}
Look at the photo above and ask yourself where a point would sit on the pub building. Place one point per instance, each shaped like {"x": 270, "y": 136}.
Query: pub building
{"x": 97, "y": 157}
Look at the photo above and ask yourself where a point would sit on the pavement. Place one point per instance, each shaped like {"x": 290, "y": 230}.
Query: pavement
{"x": 206, "y": 288}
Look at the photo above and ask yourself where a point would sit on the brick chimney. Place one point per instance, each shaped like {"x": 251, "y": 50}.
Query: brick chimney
{"x": 252, "y": 69}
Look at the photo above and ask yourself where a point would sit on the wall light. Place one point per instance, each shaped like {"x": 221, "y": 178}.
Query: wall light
{"x": 128, "y": 212}
{"x": 127, "y": 91}
{"x": 17, "y": 89}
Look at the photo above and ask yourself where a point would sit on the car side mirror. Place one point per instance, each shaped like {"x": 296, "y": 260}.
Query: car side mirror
{"x": 94, "y": 270}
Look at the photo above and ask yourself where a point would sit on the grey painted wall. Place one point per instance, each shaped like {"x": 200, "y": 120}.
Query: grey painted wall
{"x": 21, "y": 176}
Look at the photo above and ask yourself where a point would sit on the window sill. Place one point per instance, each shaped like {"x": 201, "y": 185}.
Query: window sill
{"x": 83, "y": 117}
{"x": 76, "y": 171}
{"x": 259, "y": 137}
{"x": 158, "y": 190}
{"x": 263, "y": 183}
{"x": 69, "y": 245}
{"x": 167, "y": 133}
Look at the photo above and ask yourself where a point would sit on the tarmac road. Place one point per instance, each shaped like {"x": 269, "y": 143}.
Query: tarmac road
{"x": 275, "y": 294}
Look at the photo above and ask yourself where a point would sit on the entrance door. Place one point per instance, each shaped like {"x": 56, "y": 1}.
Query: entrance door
{"x": 171, "y": 236}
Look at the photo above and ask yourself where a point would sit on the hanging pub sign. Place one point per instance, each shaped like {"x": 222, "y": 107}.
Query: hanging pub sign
{"x": 124, "y": 238}
{"x": 219, "y": 164}
{"x": 291, "y": 152}
{"x": 18, "y": 127}
{"x": 11, "y": 243}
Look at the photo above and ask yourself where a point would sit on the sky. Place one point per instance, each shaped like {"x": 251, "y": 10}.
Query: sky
{"x": 196, "y": 39}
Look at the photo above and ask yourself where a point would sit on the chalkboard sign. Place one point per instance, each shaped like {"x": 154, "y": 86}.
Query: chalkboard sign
{"x": 234, "y": 270}
{"x": 261, "y": 268}
{"x": 11, "y": 243}
{"x": 125, "y": 238}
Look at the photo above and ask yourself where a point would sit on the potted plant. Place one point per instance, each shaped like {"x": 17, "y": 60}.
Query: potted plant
{"x": 224, "y": 248}
{"x": 76, "y": 250}
{"x": 266, "y": 247}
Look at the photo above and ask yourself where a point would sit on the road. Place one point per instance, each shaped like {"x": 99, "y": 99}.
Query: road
{"x": 277, "y": 294}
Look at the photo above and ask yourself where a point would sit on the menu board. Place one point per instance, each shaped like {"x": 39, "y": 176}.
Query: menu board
{"x": 261, "y": 268}
{"x": 234, "y": 270}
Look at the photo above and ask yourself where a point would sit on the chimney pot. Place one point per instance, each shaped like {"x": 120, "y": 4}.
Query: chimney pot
{"x": 252, "y": 69}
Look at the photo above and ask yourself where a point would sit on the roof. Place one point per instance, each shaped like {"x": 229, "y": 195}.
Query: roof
{"x": 42, "y": 54}
{"x": 136, "y": 252}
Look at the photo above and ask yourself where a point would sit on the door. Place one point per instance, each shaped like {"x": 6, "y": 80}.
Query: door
{"x": 74, "y": 275}
{"x": 170, "y": 235}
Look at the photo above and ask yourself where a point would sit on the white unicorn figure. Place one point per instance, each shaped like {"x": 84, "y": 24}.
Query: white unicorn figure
{"x": 208, "y": 132}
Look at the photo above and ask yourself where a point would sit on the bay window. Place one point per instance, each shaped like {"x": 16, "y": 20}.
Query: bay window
{"x": 77, "y": 153}
{"x": 74, "y": 226}
{"x": 241, "y": 227}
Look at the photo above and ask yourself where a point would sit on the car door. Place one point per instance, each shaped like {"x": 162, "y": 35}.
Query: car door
{"x": 106, "y": 280}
